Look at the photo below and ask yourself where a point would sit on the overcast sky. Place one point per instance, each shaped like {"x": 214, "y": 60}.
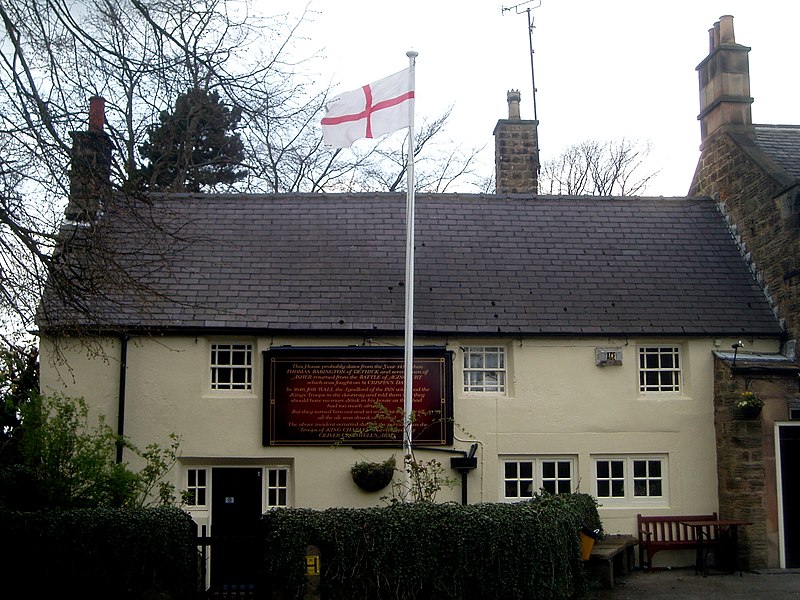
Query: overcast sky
{"x": 603, "y": 70}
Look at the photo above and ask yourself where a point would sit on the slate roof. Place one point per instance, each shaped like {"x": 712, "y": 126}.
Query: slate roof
{"x": 782, "y": 144}
{"x": 485, "y": 265}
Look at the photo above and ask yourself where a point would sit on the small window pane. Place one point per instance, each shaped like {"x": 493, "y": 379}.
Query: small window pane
{"x": 231, "y": 367}
{"x": 659, "y": 369}
{"x": 484, "y": 369}
{"x": 277, "y": 486}
{"x": 195, "y": 487}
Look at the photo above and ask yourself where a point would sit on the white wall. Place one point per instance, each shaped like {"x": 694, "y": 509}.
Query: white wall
{"x": 558, "y": 404}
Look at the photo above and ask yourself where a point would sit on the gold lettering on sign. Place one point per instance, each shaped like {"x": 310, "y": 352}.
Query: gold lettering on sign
{"x": 336, "y": 400}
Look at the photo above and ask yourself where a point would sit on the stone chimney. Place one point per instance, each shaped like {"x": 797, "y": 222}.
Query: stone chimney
{"x": 516, "y": 151}
{"x": 724, "y": 83}
{"x": 90, "y": 175}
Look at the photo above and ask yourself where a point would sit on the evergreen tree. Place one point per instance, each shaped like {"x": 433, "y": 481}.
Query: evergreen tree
{"x": 195, "y": 147}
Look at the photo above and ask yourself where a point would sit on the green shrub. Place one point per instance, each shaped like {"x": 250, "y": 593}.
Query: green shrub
{"x": 108, "y": 553}
{"x": 422, "y": 550}
{"x": 58, "y": 459}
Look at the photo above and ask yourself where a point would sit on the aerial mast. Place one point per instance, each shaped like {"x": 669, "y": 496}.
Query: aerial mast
{"x": 517, "y": 8}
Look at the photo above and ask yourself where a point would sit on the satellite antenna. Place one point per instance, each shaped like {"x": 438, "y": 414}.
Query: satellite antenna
{"x": 517, "y": 8}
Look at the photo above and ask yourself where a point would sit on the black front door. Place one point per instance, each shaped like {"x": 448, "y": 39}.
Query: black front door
{"x": 789, "y": 445}
{"x": 235, "y": 511}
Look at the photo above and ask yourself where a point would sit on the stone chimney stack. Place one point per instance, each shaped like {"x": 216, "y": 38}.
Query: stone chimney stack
{"x": 90, "y": 175}
{"x": 516, "y": 151}
{"x": 724, "y": 84}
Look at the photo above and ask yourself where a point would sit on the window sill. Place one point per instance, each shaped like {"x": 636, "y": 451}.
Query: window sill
{"x": 230, "y": 395}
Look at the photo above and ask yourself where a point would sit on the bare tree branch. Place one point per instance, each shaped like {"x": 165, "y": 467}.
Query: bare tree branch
{"x": 597, "y": 169}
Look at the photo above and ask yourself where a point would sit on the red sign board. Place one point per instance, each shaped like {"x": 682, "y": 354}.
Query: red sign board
{"x": 354, "y": 396}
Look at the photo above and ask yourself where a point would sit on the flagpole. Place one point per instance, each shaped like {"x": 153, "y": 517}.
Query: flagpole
{"x": 408, "y": 367}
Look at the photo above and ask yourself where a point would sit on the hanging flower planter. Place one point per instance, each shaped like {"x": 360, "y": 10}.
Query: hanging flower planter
{"x": 749, "y": 405}
{"x": 750, "y": 412}
{"x": 373, "y": 476}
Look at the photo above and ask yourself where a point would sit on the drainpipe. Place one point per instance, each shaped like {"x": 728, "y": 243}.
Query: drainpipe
{"x": 123, "y": 368}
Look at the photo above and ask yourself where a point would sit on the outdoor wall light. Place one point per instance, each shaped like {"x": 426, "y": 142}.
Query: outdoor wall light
{"x": 736, "y": 347}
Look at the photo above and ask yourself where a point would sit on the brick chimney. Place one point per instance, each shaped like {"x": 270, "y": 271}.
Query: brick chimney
{"x": 516, "y": 151}
{"x": 90, "y": 175}
{"x": 724, "y": 84}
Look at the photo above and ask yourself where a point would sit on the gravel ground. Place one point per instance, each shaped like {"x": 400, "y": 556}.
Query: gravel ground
{"x": 683, "y": 583}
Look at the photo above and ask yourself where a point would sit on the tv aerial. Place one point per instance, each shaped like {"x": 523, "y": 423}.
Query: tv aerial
{"x": 518, "y": 9}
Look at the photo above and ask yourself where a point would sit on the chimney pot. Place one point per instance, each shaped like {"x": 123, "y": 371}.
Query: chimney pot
{"x": 97, "y": 113}
{"x": 516, "y": 151}
{"x": 725, "y": 84}
{"x": 513, "y": 97}
{"x": 726, "y": 30}
{"x": 90, "y": 173}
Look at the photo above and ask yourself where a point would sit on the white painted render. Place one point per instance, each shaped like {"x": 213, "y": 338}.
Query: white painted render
{"x": 559, "y": 404}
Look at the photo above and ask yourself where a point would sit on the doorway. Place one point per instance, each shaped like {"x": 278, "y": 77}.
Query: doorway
{"x": 236, "y": 507}
{"x": 788, "y": 450}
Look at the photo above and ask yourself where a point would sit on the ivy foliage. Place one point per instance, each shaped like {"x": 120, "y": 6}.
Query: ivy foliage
{"x": 99, "y": 553}
{"x": 445, "y": 551}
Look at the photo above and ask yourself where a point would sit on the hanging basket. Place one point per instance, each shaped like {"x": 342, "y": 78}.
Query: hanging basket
{"x": 372, "y": 476}
{"x": 750, "y": 412}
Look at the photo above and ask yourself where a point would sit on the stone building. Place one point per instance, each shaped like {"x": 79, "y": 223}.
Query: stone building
{"x": 752, "y": 172}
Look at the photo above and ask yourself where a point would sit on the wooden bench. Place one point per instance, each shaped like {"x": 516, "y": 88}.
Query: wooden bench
{"x": 671, "y": 533}
{"x": 612, "y": 555}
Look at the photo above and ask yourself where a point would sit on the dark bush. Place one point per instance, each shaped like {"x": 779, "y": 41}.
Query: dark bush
{"x": 443, "y": 551}
{"x": 94, "y": 553}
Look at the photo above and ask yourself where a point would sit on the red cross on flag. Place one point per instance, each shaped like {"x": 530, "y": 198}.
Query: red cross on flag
{"x": 370, "y": 112}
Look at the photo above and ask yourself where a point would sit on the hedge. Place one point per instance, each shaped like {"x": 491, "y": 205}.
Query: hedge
{"x": 99, "y": 553}
{"x": 444, "y": 551}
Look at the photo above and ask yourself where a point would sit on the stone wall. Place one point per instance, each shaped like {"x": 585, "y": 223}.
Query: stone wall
{"x": 746, "y": 456}
{"x": 762, "y": 213}
{"x": 516, "y": 157}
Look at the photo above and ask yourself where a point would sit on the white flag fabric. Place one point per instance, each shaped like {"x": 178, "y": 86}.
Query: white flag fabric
{"x": 370, "y": 112}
